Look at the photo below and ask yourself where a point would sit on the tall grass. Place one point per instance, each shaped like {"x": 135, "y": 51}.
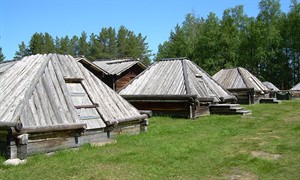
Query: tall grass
{"x": 265, "y": 145}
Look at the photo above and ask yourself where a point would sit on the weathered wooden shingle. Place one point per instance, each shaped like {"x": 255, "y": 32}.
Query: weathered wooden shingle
{"x": 6, "y": 65}
{"x": 51, "y": 89}
{"x": 176, "y": 77}
{"x": 233, "y": 78}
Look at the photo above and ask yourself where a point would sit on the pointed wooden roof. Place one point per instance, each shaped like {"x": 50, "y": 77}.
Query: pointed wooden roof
{"x": 271, "y": 86}
{"x": 50, "y": 90}
{"x": 239, "y": 77}
{"x": 296, "y": 87}
{"x": 177, "y": 76}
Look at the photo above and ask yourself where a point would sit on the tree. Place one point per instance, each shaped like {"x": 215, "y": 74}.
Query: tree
{"x": 96, "y": 49}
{"x": 112, "y": 42}
{"x": 23, "y": 51}
{"x": 73, "y": 46}
{"x": 83, "y": 46}
{"x": 270, "y": 39}
{"x": 48, "y": 44}
{"x": 208, "y": 45}
{"x": 2, "y": 57}
{"x": 63, "y": 45}
{"x": 36, "y": 44}
{"x": 292, "y": 40}
{"x": 176, "y": 46}
{"x": 122, "y": 42}
{"x": 231, "y": 26}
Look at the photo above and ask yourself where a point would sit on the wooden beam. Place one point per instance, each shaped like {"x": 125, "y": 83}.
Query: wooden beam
{"x": 86, "y": 106}
{"x": 124, "y": 120}
{"x": 60, "y": 127}
{"x": 186, "y": 79}
{"x": 160, "y": 97}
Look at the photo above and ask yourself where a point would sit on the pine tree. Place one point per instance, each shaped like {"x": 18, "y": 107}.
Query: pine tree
{"x": 83, "y": 46}
{"x": 2, "y": 57}
{"x": 23, "y": 51}
{"x": 122, "y": 42}
{"x": 36, "y": 44}
{"x": 48, "y": 44}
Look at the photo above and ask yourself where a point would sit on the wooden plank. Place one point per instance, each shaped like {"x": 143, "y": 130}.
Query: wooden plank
{"x": 53, "y": 99}
{"x": 43, "y": 102}
{"x": 186, "y": 78}
{"x": 41, "y": 116}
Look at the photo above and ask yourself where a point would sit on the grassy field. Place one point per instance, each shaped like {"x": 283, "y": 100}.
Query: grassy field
{"x": 265, "y": 145}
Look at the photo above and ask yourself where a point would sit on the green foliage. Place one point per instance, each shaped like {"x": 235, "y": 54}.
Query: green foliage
{"x": 107, "y": 45}
{"x": 23, "y": 51}
{"x": 2, "y": 57}
{"x": 267, "y": 45}
{"x": 210, "y": 147}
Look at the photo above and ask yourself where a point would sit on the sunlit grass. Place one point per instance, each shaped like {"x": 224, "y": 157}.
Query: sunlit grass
{"x": 211, "y": 147}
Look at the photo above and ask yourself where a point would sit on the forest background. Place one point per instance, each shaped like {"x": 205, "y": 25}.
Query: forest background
{"x": 267, "y": 45}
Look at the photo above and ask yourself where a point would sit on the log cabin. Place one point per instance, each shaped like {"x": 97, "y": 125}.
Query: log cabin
{"x": 116, "y": 73}
{"x": 175, "y": 87}
{"x": 277, "y": 93}
{"x": 248, "y": 88}
{"x": 51, "y": 102}
{"x": 295, "y": 91}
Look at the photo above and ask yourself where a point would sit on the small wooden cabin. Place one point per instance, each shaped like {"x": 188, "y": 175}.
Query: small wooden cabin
{"x": 239, "y": 81}
{"x": 296, "y": 91}
{"x": 117, "y": 73}
{"x": 175, "y": 87}
{"x": 277, "y": 93}
{"x": 51, "y": 102}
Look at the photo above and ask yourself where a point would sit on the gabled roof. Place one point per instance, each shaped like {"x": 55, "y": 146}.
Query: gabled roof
{"x": 91, "y": 65}
{"x": 239, "y": 77}
{"x": 178, "y": 76}
{"x": 4, "y": 65}
{"x": 296, "y": 87}
{"x": 271, "y": 86}
{"x": 118, "y": 66}
{"x": 38, "y": 92}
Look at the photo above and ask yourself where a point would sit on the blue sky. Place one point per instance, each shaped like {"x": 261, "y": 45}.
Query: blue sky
{"x": 20, "y": 19}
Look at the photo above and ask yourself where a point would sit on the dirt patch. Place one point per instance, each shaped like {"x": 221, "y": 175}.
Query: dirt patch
{"x": 238, "y": 174}
{"x": 291, "y": 119}
{"x": 265, "y": 155}
{"x": 111, "y": 141}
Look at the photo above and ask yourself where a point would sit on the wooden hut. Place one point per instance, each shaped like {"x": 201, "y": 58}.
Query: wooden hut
{"x": 51, "y": 102}
{"x": 296, "y": 91}
{"x": 277, "y": 93}
{"x": 248, "y": 88}
{"x": 175, "y": 87}
{"x": 117, "y": 73}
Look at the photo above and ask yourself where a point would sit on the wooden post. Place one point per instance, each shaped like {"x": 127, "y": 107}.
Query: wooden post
{"x": 22, "y": 141}
{"x": 144, "y": 125}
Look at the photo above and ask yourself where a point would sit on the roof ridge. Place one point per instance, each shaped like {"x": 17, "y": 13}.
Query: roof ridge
{"x": 171, "y": 59}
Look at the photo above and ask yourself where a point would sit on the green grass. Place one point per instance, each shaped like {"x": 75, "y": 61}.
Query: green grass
{"x": 211, "y": 147}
